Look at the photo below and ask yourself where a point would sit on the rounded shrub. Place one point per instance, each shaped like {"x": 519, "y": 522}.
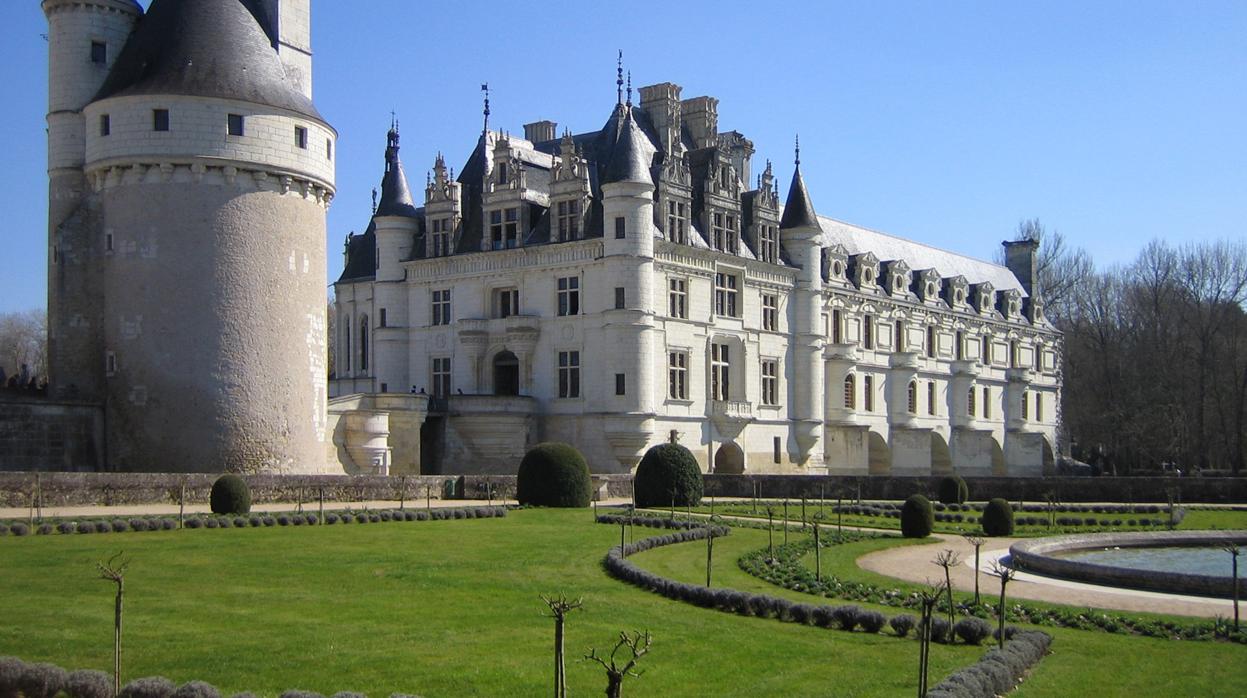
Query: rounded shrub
{"x": 19, "y": 529}
{"x": 998, "y": 518}
{"x": 148, "y": 687}
{"x": 196, "y": 689}
{"x": 953, "y": 490}
{"x": 553, "y": 475}
{"x": 89, "y": 683}
{"x": 917, "y": 517}
{"x": 45, "y": 529}
{"x": 43, "y": 680}
{"x": 972, "y": 631}
{"x": 668, "y": 471}
{"x": 902, "y": 624}
{"x": 230, "y": 495}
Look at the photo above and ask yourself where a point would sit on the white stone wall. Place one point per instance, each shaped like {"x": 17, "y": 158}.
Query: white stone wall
{"x": 197, "y": 128}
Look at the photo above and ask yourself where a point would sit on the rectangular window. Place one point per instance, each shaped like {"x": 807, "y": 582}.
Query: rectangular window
{"x": 931, "y": 398}
{"x": 160, "y": 119}
{"x": 1013, "y": 355}
{"x": 678, "y": 298}
{"x": 850, "y": 392}
{"x": 504, "y": 228}
{"x": 385, "y": 387}
{"x": 495, "y": 229}
{"x": 506, "y": 302}
{"x": 777, "y": 444}
{"x": 726, "y": 290}
{"x": 621, "y": 230}
{"x": 900, "y": 342}
{"x": 768, "y": 246}
{"x": 721, "y": 231}
{"x": 441, "y": 376}
{"x": 1038, "y": 407}
{"x": 868, "y": 393}
{"x": 106, "y": 124}
{"x": 620, "y": 384}
{"x": 720, "y": 372}
{"x": 770, "y": 382}
{"x": 770, "y": 312}
{"x": 108, "y": 242}
{"x": 300, "y": 137}
{"x": 931, "y": 347}
{"x": 677, "y": 222}
{"x": 569, "y": 295}
{"x": 620, "y": 298}
{"x": 987, "y": 402}
{"x": 110, "y": 363}
{"x": 677, "y": 375}
{"x": 959, "y": 349}
{"x": 99, "y": 52}
{"x": 440, "y": 236}
{"x": 1026, "y": 403}
{"x": 569, "y": 374}
{"x": 987, "y": 350}
{"x": 868, "y": 332}
{"x": 837, "y": 325}
{"x": 970, "y": 402}
{"x": 441, "y": 307}
{"x": 234, "y": 124}
{"x": 328, "y": 149}
{"x": 569, "y": 220}
{"x": 382, "y": 318}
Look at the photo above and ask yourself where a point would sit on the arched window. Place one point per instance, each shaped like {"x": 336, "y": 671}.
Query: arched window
{"x": 970, "y": 402}
{"x": 850, "y": 391}
{"x": 363, "y": 344}
{"x": 912, "y": 397}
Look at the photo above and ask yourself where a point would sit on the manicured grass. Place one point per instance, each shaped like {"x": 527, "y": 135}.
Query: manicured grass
{"x": 440, "y": 608}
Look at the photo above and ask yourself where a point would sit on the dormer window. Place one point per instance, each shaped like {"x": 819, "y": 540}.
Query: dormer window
{"x": 898, "y": 284}
{"x": 837, "y": 269}
{"x": 504, "y": 228}
{"x": 441, "y": 230}
{"x": 677, "y": 222}
{"x": 768, "y": 245}
{"x": 568, "y": 215}
{"x": 723, "y": 227}
{"x": 502, "y": 173}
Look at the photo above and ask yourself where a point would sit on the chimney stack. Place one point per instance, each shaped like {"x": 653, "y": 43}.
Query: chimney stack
{"x": 1022, "y": 258}
{"x": 539, "y": 131}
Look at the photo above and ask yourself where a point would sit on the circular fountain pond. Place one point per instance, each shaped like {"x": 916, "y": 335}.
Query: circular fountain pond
{"x": 1175, "y": 562}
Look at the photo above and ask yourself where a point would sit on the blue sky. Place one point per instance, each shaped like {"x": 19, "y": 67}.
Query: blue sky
{"x": 946, "y": 122}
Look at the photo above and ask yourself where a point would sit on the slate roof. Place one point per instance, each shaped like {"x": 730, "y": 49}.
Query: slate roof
{"x": 361, "y": 256}
{"x": 396, "y": 199}
{"x": 632, "y": 156}
{"x": 798, "y": 210}
{"x": 205, "y": 48}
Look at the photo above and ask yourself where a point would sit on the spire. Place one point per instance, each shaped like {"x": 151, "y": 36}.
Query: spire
{"x": 631, "y": 157}
{"x": 798, "y": 210}
{"x": 485, "y": 89}
{"x": 395, "y": 194}
{"x": 619, "y": 80}
{"x": 629, "y": 88}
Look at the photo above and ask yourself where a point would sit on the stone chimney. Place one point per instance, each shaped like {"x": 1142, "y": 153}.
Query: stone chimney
{"x": 701, "y": 116}
{"x": 1022, "y": 258}
{"x": 661, "y": 103}
{"x": 539, "y": 131}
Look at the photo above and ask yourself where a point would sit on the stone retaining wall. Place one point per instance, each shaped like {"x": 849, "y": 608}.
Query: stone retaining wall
{"x": 1038, "y": 556}
{"x": 1027, "y": 489}
{"x": 107, "y": 489}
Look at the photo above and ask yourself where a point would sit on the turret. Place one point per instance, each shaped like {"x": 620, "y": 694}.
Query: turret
{"x": 396, "y": 216}
{"x": 801, "y": 235}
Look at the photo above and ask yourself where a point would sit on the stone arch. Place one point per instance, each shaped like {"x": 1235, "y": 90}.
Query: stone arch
{"x": 941, "y": 459}
{"x": 878, "y": 454}
{"x": 998, "y": 459}
{"x": 1049, "y": 457}
{"x": 729, "y": 459}
{"x": 506, "y": 367}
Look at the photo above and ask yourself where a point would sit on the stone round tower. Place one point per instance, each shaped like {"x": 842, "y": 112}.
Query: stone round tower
{"x": 207, "y": 175}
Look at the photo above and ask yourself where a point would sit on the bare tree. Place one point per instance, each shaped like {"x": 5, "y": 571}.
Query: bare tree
{"x": 1060, "y": 267}
{"x": 559, "y": 608}
{"x": 948, "y": 559}
{"x": 1006, "y": 575}
{"x": 929, "y": 598}
{"x": 638, "y": 645}
{"x": 115, "y": 571}
{"x": 977, "y": 542}
{"x": 24, "y": 340}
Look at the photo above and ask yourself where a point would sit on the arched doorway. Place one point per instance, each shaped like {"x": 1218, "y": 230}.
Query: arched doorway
{"x": 941, "y": 459}
{"x": 506, "y": 373}
{"x": 1049, "y": 459}
{"x": 998, "y": 459}
{"x": 729, "y": 459}
{"x": 878, "y": 455}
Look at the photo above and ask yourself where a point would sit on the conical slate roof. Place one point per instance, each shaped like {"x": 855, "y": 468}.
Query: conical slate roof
{"x": 396, "y": 199}
{"x": 798, "y": 210}
{"x": 204, "y": 48}
{"x": 632, "y": 155}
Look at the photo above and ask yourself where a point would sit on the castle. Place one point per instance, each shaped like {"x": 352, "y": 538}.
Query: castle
{"x": 638, "y": 283}
{"x": 615, "y": 288}
{"x": 189, "y": 174}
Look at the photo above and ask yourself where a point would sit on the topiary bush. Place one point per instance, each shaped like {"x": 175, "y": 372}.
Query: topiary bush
{"x": 230, "y": 495}
{"x": 998, "y": 518}
{"x": 902, "y": 624}
{"x": 43, "y": 680}
{"x": 11, "y": 671}
{"x": 972, "y": 631}
{"x": 89, "y": 683}
{"x": 148, "y": 687}
{"x": 665, "y": 471}
{"x": 917, "y": 517}
{"x": 553, "y": 475}
{"x": 196, "y": 689}
{"x": 953, "y": 490}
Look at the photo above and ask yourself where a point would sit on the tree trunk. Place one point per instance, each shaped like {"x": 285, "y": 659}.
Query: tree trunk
{"x": 117, "y": 639}
{"x": 559, "y": 689}
{"x": 614, "y": 684}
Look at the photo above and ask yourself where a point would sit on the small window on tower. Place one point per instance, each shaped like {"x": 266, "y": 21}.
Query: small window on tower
{"x": 106, "y": 124}
{"x": 300, "y": 137}
{"x": 160, "y": 119}
{"x": 620, "y": 384}
{"x": 110, "y": 363}
{"x": 234, "y": 124}
{"x": 383, "y": 322}
{"x": 620, "y": 230}
{"x": 328, "y": 149}
{"x": 99, "y": 52}
{"x": 620, "y": 298}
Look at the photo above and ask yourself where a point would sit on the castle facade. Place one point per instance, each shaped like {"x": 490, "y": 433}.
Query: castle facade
{"x": 641, "y": 283}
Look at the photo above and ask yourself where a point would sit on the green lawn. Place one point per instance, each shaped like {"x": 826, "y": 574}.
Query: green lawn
{"x": 445, "y": 608}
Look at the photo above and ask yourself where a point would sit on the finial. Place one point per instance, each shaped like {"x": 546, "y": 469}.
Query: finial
{"x": 629, "y": 88}
{"x": 393, "y": 120}
{"x": 485, "y": 89}
{"x": 798, "y": 150}
{"x": 374, "y": 200}
{"x": 619, "y": 81}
